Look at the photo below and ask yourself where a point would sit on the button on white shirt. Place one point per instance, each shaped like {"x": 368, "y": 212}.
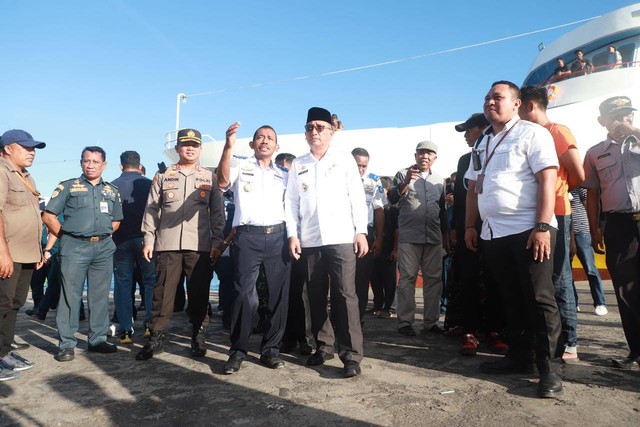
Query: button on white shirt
{"x": 508, "y": 202}
{"x": 326, "y": 198}
{"x": 258, "y": 193}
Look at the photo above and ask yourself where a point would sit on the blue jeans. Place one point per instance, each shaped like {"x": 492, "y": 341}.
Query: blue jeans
{"x": 563, "y": 283}
{"x": 129, "y": 253}
{"x": 585, "y": 255}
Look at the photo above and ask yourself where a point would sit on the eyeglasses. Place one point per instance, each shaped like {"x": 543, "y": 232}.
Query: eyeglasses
{"x": 317, "y": 127}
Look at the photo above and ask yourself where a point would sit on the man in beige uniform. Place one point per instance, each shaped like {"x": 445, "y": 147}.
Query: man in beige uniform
{"x": 183, "y": 223}
{"x": 20, "y": 236}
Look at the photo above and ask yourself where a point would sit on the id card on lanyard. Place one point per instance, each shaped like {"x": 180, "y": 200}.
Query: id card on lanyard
{"x": 480, "y": 179}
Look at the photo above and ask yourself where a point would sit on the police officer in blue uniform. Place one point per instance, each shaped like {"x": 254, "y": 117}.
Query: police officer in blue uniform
{"x": 92, "y": 211}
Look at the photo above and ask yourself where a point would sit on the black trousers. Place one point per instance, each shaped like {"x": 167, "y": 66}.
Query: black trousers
{"x": 364, "y": 267}
{"x": 13, "y": 294}
{"x": 384, "y": 279}
{"x": 622, "y": 236}
{"x": 528, "y": 297}
{"x": 338, "y": 262}
{"x": 296, "y": 329}
{"x": 250, "y": 250}
{"x": 170, "y": 266}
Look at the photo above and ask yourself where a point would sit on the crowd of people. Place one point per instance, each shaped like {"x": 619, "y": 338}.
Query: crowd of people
{"x": 298, "y": 242}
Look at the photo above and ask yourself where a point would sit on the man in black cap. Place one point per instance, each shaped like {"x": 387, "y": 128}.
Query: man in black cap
{"x": 466, "y": 310}
{"x": 182, "y": 224}
{"x": 326, "y": 217}
{"x": 92, "y": 212}
{"x": 613, "y": 182}
{"x": 20, "y": 234}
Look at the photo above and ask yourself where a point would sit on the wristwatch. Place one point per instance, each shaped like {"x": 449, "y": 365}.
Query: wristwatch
{"x": 542, "y": 226}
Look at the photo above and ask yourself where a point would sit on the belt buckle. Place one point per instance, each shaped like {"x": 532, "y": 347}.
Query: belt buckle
{"x": 636, "y": 216}
{"x": 94, "y": 239}
{"x": 269, "y": 230}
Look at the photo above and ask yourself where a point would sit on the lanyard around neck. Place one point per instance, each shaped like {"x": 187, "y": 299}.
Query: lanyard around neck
{"x": 484, "y": 168}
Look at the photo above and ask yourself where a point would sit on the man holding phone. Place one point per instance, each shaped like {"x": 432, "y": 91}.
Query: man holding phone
{"x": 424, "y": 231}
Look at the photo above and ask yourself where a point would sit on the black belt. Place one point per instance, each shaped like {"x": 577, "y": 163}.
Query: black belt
{"x": 92, "y": 239}
{"x": 634, "y": 216}
{"x": 264, "y": 229}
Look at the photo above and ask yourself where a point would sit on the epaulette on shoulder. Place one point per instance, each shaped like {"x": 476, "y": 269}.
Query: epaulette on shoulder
{"x": 240, "y": 157}
{"x": 282, "y": 168}
{"x": 110, "y": 184}
{"x": 374, "y": 177}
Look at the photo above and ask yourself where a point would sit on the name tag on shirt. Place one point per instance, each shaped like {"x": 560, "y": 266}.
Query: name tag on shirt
{"x": 104, "y": 207}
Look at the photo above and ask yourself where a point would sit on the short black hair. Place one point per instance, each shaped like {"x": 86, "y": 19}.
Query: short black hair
{"x": 94, "y": 149}
{"x": 360, "y": 152}
{"x": 578, "y": 50}
{"x": 536, "y": 94}
{"x": 130, "y": 160}
{"x": 264, "y": 127}
{"x": 515, "y": 90}
{"x": 285, "y": 157}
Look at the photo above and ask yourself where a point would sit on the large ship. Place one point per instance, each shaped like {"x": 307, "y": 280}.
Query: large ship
{"x": 573, "y": 100}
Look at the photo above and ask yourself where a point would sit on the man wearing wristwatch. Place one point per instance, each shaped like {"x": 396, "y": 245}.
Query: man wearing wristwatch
{"x": 512, "y": 187}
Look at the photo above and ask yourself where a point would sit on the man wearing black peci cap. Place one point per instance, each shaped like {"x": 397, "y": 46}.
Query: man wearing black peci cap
{"x": 613, "y": 182}
{"x": 92, "y": 211}
{"x": 325, "y": 200}
{"x": 20, "y": 234}
{"x": 182, "y": 225}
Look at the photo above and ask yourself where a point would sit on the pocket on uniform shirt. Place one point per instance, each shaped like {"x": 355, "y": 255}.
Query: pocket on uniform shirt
{"x": 202, "y": 192}
{"x": 17, "y": 197}
{"x": 605, "y": 167}
{"x": 78, "y": 199}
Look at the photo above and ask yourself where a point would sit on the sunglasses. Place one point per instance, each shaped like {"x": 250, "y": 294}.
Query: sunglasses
{"x": 317, "y": 127}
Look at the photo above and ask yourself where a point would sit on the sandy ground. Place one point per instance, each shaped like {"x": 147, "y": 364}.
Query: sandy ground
{"x": 421, "y": 380}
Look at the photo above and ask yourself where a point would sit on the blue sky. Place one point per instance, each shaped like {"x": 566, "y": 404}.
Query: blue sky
{"x": 79, "y": 73}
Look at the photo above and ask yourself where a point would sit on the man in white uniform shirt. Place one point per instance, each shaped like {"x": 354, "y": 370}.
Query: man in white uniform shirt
{"x": 512, "y": 180}
{"x": 325, "y": 198}
{"x": 258, "y": 185}
{"x": 376, "y": 199}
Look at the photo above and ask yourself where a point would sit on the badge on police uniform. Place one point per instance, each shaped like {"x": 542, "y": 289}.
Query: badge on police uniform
{"x": 305, "y": 186}
{"x": 170, "y": 195}
{"x": 247, "y": 187}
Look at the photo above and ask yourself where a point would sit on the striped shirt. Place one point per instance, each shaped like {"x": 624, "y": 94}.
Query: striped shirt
{"x": 579, "y": 220}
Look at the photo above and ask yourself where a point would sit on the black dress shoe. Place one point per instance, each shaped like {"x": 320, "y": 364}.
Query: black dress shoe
{"x": 407, "y": 330}
{"x": 305, "y": 348}
{"x": 318, "y": 358}
{"x": 549, "y": 385}
{"x": 507, "y": 365}
{"x": 626, "y": 364}
{"x": 233, "y": 364}
{"x": 19, "y": 345}
{"x": 65, "y": 355}
{"x": 103, "y": 347}
{"x": 351, "y": 369}
{"x": 272, "y": 361}
{"x": 435, "y": 329}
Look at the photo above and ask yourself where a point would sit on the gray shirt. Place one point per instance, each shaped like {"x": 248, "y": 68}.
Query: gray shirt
{"x": 423, "y": 217}
{"x": 614, "y": 168}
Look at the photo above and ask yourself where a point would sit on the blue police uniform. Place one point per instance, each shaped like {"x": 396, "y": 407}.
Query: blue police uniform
{"x": 86, "y": 252}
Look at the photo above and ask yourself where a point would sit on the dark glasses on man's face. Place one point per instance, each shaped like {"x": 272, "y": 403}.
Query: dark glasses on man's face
{"x": 317, "y": 127}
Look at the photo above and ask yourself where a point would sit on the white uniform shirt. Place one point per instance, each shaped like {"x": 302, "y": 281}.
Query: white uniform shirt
{"x": 258, "y": 193}
{"x": 374, "y": 194}
{"x": 326, "y": 198}
{"x": 509, "y": 198}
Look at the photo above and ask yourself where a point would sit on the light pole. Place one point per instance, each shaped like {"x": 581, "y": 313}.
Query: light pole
{"x": 182, "y": 97}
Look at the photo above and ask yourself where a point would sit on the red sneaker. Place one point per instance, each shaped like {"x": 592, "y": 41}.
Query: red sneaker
{"x": 469, "y": 345}
{"x": 495, "y": 343}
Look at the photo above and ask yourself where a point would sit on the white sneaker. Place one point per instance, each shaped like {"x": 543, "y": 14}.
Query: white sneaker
{"x": 601, "y": 310}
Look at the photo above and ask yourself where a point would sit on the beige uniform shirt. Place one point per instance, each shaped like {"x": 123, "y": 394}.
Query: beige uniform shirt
{"x": 20, "y": 210}
{"x": 184, "y": 211}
